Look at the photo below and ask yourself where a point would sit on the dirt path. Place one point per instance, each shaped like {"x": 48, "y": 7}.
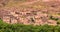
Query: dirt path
{"x": 28, "y": 3}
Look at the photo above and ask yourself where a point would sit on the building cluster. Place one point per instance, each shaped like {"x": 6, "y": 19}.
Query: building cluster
{"x": 25, "y": 16}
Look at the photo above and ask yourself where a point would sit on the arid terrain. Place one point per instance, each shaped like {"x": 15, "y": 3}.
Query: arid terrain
{"x": 35, "y": 12}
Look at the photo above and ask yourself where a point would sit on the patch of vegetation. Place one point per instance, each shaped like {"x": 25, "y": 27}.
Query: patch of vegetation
{"x": 53, "y": 18}
{"x": 56, "y": 19}
{"x": 58, "y": 13}
{"x": 4, "y": 27}
{"x": 58, "y": 22}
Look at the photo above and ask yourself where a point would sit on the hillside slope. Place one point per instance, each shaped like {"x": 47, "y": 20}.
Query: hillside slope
{"x": 35, "y": 12}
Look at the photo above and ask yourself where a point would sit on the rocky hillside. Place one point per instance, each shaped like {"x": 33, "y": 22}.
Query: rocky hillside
{"x": 35, "y": 12}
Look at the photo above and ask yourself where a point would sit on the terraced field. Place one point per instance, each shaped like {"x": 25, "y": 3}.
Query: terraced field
{"x": 35, "y": 12}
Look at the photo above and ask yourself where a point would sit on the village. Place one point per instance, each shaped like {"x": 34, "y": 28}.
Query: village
{"x": 35, "y": 14}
